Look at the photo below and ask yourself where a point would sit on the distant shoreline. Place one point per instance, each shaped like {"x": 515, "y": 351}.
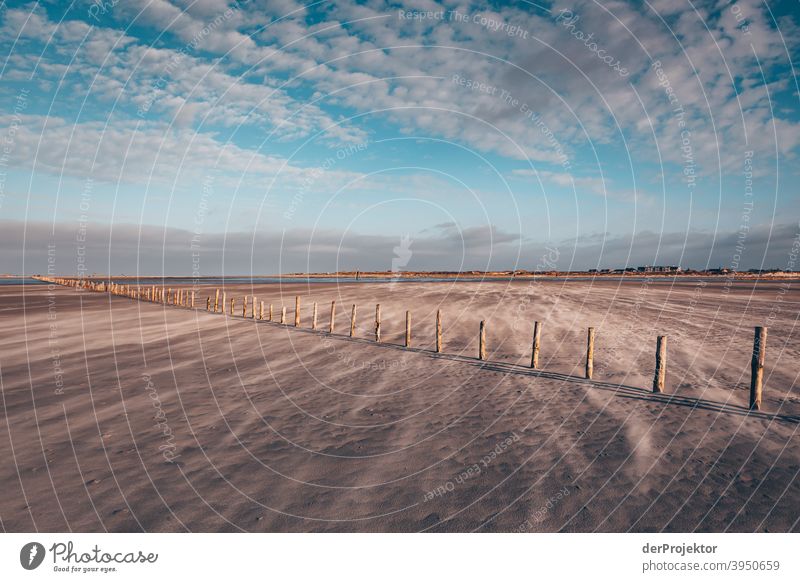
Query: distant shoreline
{"x": 463, "y": 275}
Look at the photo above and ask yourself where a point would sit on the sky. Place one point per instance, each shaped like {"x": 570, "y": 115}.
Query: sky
{"x": 216, "y": 137}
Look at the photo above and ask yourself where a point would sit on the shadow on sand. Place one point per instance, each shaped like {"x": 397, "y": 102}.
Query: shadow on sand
{"x": 621, "y": 390}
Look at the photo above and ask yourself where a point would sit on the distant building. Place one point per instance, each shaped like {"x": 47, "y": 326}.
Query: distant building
{"x": 659, "y": 269}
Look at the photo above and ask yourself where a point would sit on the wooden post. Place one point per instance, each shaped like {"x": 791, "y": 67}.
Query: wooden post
{"x": 253, "y": 314}
{"x": 378, "y": 323}
{"x": 169, "y": 296}
{"x": 233, "y": 306}
{"x": 353, "y": 321}
{"x": 192, "y": 300}
{"x": 314, "y": 317}
{"x": 270, "y": 312}
{"x": 661, "y": 364}
{"x": 333, "y": 316}
{"x": 590, "y": 353}
{"x": 482, "y": 342}
{"x": 283, "y": 314}
{"x": 408, "y": 329}
{"x": 537, "y": 336}
{"x": 208, "y": 303}
{"x": 757, "y": 367}
{"x": 297, "y": 311}
{"x": 224, "y": 297}
{"x": 261, "y": 314}
{"x": 438, "y": 331}
{"x": 216, "y": 301}
{"x": 244, "y": 306}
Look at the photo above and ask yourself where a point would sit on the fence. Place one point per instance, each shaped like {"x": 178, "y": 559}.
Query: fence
{"x": 186, "y": 299}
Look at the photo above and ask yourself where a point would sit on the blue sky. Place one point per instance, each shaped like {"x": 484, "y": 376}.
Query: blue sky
{"x": 284, "y": 137}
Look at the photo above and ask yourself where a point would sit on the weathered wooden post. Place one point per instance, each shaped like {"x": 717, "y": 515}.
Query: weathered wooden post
{"x": 537, "y": 336}
{"x": 255, "y": 306}
{"x": 333, "y": 317}
{"x": 590, "y": 353}
{"x": 438, "y": 331}
{"x": 216, "y": 301}
{"x": 233, "y": 306}
{"x": 314, "y": 317}
{"x": 757, "y": 367}
{"x": 283, "y": 314}
{"x": 224, "y": 298}
{"x": 482, "y": 342}
{"x": 408, "y": 329}
{"x": 208, "y": 303}
{"x": 261, "y": 314}
{"x": 353, "y": 321}
{"x": 170, "y": 299}
{"x": 192, "y": 300}
{"x": 661, "y": 364}
{"x": 270, "y": 312}
{"x": 378, "y": 323}
{"x": 297, "y": 311}
{"x": 244, "y": 307}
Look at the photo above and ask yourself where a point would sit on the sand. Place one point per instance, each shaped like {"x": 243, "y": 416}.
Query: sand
{"x": 129, "y": 416}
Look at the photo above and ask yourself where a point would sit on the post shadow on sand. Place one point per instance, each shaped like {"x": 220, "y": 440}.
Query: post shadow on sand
{"x": 622, "y": 390}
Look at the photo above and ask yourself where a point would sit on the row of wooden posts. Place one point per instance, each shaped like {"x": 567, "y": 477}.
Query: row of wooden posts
{"x": 186, "y": 298}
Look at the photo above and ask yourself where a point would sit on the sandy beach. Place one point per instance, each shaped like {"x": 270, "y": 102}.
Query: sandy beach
{"x": 122, "y": 415}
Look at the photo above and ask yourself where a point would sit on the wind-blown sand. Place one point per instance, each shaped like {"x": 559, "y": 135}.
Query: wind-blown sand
{"x": 280, "y": 429}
